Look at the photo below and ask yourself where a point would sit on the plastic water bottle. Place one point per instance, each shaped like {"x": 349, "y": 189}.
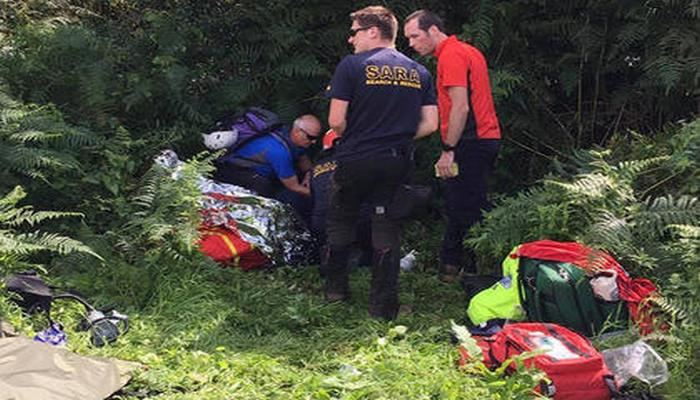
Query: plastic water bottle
{"x": 408, "y": 261}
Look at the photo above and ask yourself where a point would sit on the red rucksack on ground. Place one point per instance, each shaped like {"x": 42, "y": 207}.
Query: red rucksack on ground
{"x": 574, "y": 366}
{"x": 226, "y": 246}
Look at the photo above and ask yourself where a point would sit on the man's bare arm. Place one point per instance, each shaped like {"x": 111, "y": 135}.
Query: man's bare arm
{"x": 292, "y": 183}
{"x": 337, "y": 115}
{"x": 457, "y": 120}
{"x": 458, "y": 114}
{"x": 304, "y": 163}
{"x": 428, "y": 121}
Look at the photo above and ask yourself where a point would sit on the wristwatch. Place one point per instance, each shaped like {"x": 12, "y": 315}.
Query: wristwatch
{"x": 447, "y": 147}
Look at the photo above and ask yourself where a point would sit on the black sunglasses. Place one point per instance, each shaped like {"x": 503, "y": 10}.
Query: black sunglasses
{"x": 309, "y": 136}
{"x": 353, "y": 32}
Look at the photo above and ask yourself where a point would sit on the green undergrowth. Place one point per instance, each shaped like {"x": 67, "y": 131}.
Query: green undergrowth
{"x": 214, "y": 333}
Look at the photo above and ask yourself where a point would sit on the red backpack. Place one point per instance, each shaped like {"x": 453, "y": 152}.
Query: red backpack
{"x": 574, "y": 366}
{"x": 226, "y": 246}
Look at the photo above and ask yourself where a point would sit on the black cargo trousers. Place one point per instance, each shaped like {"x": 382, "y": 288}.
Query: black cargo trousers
{"x": 374, "y": 180}
{"x": 465, "y": 198}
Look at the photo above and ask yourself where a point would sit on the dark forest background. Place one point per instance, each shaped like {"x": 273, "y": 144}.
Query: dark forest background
{"x": 566, "y": 75}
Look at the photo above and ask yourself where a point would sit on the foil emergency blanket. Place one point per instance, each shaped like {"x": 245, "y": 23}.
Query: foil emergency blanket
{"x": 267, "y": 224}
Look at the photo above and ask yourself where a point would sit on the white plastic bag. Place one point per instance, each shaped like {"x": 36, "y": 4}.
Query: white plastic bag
{"x": 408, "y": 261}
{"x": 604, "y": 285}
{"x": 637, "y": 360}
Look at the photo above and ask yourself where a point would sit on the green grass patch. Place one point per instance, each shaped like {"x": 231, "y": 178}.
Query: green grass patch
{"x": 214, "y": 333}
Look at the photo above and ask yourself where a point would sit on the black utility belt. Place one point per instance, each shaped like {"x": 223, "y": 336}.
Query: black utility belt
{"x": 371, "y": 157}
{"x": 395, "y": 151}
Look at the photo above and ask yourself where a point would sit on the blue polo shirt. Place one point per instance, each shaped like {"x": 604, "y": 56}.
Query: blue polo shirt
{"x": 385, "y": 90}
{"x": 273, "y": 158}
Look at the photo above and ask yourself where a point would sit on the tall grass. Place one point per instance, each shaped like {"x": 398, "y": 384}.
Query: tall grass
{"x": 215, "y": 333}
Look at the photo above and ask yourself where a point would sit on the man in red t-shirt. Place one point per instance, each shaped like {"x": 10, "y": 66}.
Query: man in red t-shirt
{"x": 470, "y": 133}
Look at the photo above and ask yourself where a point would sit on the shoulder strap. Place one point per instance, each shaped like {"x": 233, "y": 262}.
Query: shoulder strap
{"x": 75, "y": 297}
{"x": 247, "y": 162}
{"x": 275, "y": 134}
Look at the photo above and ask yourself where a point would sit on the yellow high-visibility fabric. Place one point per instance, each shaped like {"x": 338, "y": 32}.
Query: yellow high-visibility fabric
{"x": 501, "y": 300}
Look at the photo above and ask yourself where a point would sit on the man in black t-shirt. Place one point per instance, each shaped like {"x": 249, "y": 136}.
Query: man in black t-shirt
{"x": 380, "y": 101}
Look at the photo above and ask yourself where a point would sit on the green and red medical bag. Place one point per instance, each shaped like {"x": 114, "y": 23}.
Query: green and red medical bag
{"x": 548, "y": 281}
{"x": 560, "y": 292}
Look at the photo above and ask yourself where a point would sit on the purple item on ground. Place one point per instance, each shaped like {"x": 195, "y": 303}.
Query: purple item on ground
{"x": 53, "y": 335}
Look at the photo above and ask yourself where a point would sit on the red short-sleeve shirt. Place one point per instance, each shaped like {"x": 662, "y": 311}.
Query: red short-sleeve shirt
{"x": 460, "y": 64}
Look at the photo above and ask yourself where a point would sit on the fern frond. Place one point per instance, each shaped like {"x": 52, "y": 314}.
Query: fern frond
{"x": 480, "y": 31}
{"x": 27, "y": 159}
{"x": 35, "y": 141}
{"x": 675, "y": 309}
{"x": 11, "y": 114}
{"x": 537, "y": 213}
{"x": 30, "y": 243}
{"x": 13, "y": 243}
{"x": 31, "y": 218}
{"x": 9, "y": 200}
{"x": 247, "y": 54}
{"x": 77, "y": 139}
{"x": 147, "y": 193}
{"x": 32, "y": 136}
{"x": 686, "y": 231}
{"x": 504, "y": 83}
{"x": 56, "y": 243}
{"x": 594, "y": 185}
{"x": 665, "y": 70}
{"x": 299, "y": 67}
{"x": 7, "y": 104}
{"x": 630, "y": 35}
{"x": 630, "y": 169}
{"x": 611, "y": 233}
{"x": 658, "y": 213}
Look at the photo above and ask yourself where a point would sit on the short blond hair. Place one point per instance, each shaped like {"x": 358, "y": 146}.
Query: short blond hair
{"x": 378, "y": 16}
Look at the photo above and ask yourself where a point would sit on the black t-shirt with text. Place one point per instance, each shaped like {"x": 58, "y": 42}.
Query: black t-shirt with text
{"x": 385, "y": 90}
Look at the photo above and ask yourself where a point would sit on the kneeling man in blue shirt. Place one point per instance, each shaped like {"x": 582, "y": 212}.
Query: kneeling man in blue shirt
{"x": 266, "y": 165}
